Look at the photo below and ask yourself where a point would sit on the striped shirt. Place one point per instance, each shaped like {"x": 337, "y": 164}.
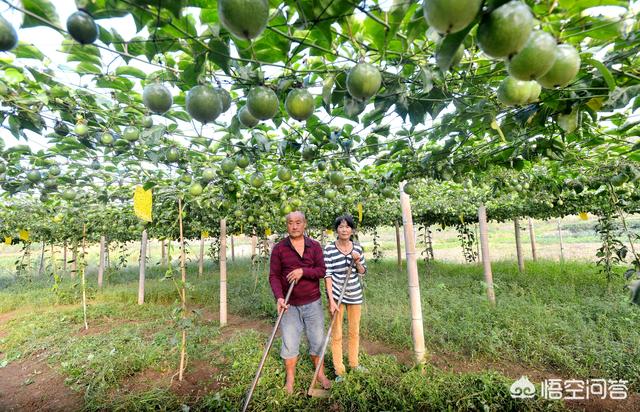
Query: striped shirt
{"x": 337, "y": 264}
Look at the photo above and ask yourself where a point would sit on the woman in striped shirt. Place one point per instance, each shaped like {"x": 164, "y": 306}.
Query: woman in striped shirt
{"x": 338, "y": 258}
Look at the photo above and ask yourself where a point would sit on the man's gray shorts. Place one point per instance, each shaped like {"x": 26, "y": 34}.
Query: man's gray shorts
{"x": 308, "y": 318}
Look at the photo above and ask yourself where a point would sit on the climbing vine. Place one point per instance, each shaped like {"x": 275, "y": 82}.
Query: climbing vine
{"x": 612, "y": 251}
{"x": 467, "y": 238}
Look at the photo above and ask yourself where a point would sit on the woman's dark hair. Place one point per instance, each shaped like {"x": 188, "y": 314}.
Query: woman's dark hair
{"x": 348, "y": 219}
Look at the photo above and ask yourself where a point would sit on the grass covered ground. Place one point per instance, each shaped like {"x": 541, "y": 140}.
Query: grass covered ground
{"x": 553, "y": 321}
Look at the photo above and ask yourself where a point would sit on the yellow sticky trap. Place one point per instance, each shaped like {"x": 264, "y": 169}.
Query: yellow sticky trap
{"x": 461, "y": 217}
{"x": 359, "y": 212}
{"x": 8, "y": 240}
{"x": 584, "y": 215}
{"x": 204, "y": 234}
{"x": 329, "y": 232}
{"x": 267, "y": 232}
{"x": 143, "y": 203}
{"x": 24, "y": 235}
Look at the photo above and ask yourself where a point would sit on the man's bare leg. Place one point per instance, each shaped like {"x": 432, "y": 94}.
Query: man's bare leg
{"x": 326, "y": 383}
{"x": 290, "y": 368}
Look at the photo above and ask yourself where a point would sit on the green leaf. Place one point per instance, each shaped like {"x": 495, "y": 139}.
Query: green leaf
{"x": 209, "y": 15}
{"x": 136, "y": 46}
{"x": 219, "y": 53}
{"x": 130, "y": 71}
{"x": 450, "y": 46}
{"x": 88, "y": 68}
{"x": 13, "y": 76}
{"x": 43, "y": 9}
{"x": 28, "y": 51}
{"x": 327, "y": 86}
{"x": 116, "y": 83}
{"x": 606, "y": 74}
{"x": 104, "y": 35}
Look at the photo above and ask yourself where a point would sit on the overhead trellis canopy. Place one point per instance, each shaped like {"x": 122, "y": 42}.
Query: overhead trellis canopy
{"x": 444, "y": 108}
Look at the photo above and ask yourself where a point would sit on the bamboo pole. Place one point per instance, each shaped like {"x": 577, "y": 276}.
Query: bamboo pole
{"x": 516, "y": 228}
{"x": 233, "y": 250}
{"x": 183, "y": 292}
{"x": 64, "y": 257}
{"x": 101, "y": 262}
{"x": 74, "y": 264}
{"x": 254, "y": 241}
{"x": 486, "y": 260}
{"x": 83, "y": 265}
{"x": 142, "y": 266}
{"x": 477, "y": 242}
{"x": 223, "y": 272}
{"x": 398, "y": 247}
{"x": 561, "y": 242}
{"x": 107, "y": 261}
{"x": 417, "y": 331}
{"x": 532, "y": 235}
{"x": 201, "y": 257}
{"x": 53, "y": 260}
{"x": 41, "y": 267}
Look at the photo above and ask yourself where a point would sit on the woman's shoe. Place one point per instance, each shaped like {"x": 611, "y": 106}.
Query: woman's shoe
{"x": 360, "y": 369}
{"x": 339, "y": 379}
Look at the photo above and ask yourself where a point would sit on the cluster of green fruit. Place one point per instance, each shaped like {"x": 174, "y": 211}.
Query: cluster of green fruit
{"x": 203, "y": 102}
{"x": 533, "y": 57}
{"x": 49, "y": 179}
{"x": 130, "y": 134}
{"x": 247, "y": 19}
{"x": 80, "y": 25}
{"x": 363, "y": 82}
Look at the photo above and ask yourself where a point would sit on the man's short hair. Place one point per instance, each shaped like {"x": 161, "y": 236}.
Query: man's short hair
{"x": 348, "y": 219}
{"x": 290, "y": 214}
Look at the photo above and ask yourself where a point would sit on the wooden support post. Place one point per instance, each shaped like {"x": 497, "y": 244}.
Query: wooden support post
{"x": 83, "y": 266}
{"x": 201, "y": 258}
{"x": 477, "y": 243}
{"x": 484, "y": 246}
{"x": 254, "y": 241}
{"x": 41, "y": 267}
{"x": 74, "y": 264}
{"x": 53, "y": 260}
{"x": 107, "y": 261}
{"x": 532, "y": 235}
{"x": 417, "y": 331}
{"x": 183, "y": 293}
{"x": 233, "y": 250}
{"x": 223, "y": 272}
{"x": 143, "y": 267}
{"x": 398, "y": 247}
{"x": 163, "y": 258}
{"x": 561, "y": 242}
{"x": 516, "y": 228}
{"x": 64, "y": 257}
{"x": 101, "y": 262}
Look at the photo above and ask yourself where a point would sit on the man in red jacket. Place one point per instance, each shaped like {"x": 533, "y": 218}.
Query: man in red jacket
{"x": 299, "y": 259}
